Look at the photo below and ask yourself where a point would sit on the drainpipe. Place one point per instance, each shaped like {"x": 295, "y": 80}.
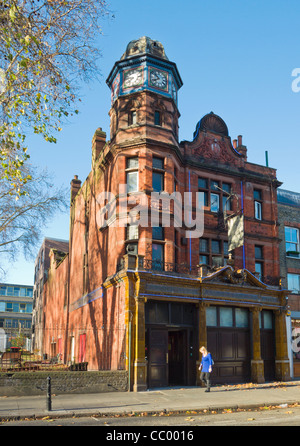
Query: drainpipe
{"x": 190, "y": 219}
{"x": 242, "y": 199}
{"x": 75, "y": 187}
{"x": 129, "y": 356}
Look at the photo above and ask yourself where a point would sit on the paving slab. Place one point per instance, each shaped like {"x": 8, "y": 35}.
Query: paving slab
{"x": 160, "y": 400}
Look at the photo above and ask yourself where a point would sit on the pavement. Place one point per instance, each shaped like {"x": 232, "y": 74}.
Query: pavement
{"x": 177, "y": 400}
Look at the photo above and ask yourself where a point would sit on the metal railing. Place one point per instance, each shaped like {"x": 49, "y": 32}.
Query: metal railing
{"x": 182, "y": 268}
{"x": 52, "y": 349}
{"x": 186, "y": 269}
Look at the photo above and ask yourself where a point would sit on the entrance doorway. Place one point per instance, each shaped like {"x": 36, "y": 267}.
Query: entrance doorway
{"x": 177, "y": 348}
{"x": 170, "y": 357}
{"x": 171, "y": 334}
{"x": 157, "y": 355}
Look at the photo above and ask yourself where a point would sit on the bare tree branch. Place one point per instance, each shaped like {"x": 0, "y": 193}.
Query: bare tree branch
{"x": 23, "y": 218}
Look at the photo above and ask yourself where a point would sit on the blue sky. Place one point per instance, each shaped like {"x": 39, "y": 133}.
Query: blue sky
{"x": 235, "y": 58}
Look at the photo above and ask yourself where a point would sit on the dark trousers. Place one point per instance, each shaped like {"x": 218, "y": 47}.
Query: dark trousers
{"x": 205, "y": 377}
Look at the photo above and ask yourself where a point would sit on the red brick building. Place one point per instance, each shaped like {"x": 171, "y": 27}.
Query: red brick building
{"x": 146, "y": 298}
{"x": 289, "y": 219}
{"x": 42, "y": 263}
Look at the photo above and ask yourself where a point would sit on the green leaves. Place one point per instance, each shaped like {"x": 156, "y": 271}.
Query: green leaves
{"x": 23, "y": 62}
{"x": 12, "y": 12}
{"x": 46, "y": 47}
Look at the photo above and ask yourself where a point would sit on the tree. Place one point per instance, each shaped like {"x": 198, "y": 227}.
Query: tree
{"x": 22, "y": 218}
{"x": 47, "y": 47}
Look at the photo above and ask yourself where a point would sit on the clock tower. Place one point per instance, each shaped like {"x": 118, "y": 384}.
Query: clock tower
{"x": 144, "y": 94}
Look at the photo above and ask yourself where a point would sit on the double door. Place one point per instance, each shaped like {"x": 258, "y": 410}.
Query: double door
{"x": 170, "y": 357}
{"x": 230, "y": 349}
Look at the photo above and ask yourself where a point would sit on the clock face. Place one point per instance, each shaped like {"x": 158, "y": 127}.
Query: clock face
{"x": 133, "y": 77}
{"x": 158, "y": 79}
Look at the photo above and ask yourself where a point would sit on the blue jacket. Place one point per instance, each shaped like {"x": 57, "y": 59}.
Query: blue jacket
{"x": 206, "y": 363}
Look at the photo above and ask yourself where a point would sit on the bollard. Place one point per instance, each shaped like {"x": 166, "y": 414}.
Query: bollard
{"x": 49, "y": 393}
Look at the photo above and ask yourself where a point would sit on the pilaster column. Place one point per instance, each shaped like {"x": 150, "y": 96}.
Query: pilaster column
{"x": 129, "y": 315}
{"x": 140, "y": 363}
{"x": 257, "y": 364}
{"x": 282, "y": 364}
{"x": 202, "y": 337}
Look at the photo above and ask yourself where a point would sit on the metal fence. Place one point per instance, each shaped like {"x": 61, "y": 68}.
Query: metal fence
{"x": 54, "y": 348}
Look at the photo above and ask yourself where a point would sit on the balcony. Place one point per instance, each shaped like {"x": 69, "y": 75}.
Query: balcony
{"x": 139, "y": 263}
{"x": 166, "y": 267}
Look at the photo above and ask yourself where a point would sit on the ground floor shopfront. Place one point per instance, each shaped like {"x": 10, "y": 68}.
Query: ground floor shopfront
{"x": 240, "y": 320}
{"x": 172, "y": 349}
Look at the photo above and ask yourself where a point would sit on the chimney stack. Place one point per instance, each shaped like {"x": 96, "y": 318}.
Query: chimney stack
{"x": 241, "y": 148}
{"x": 98, "y": 142}
{"x": 75, "y": 187}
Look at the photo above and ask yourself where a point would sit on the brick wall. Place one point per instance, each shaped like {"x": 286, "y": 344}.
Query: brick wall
{"x": 288, "y": 216}
{"x": 35, "y": 383}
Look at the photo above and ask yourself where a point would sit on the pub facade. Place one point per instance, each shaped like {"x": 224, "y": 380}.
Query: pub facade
{"x": 146, "y": 295}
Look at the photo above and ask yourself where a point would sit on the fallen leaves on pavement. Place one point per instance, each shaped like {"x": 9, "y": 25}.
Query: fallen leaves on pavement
{"x": 189, "y": 419}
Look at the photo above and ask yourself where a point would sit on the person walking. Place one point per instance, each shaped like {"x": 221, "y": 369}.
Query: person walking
{"x": 206, "y": 367}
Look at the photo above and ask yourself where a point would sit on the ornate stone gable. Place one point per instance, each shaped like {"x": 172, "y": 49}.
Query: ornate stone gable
{"x": 228, "y": 274}
{"x": 212, "y": 143}
{"x": 215, "y": 149}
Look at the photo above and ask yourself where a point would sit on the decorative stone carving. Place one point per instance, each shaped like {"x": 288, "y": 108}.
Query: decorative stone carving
{"x": 215, "y": 150}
